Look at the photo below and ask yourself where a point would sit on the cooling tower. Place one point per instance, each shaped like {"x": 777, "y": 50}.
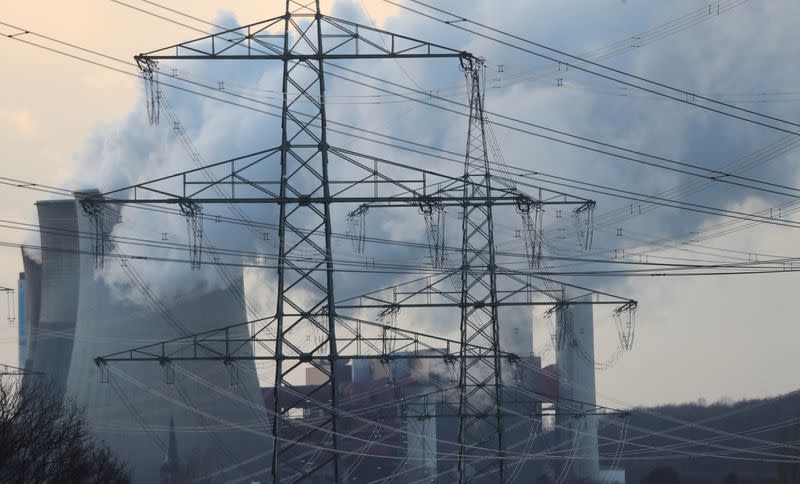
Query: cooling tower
{"x": 576, "y": 386}
{"x": 33, "y": 294}
{"x": 220, "y": 429}
{"x": 58, "y": 300}
{"x": 22, "y": 334}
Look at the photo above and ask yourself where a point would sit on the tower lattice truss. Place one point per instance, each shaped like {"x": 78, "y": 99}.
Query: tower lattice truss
{"x": 311, "y": 328}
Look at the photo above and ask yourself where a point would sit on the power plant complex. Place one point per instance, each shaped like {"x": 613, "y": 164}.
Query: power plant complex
{"x": 417, "y": 367}
{"x": 194, "y": 420}
{"x": 359, "y": 244}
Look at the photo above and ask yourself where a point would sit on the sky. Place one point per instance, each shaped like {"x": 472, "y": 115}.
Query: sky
{"x": 75, "y": 125}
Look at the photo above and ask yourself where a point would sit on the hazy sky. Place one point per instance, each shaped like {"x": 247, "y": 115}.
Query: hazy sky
{"x": 71, "y": 124}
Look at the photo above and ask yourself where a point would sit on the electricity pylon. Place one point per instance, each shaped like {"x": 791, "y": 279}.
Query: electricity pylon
{"x": 482, "y": 399}
{"x": 303, "y": 40}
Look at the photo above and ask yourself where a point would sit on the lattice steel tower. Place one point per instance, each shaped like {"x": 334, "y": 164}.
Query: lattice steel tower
{"x": 480, "y": 378}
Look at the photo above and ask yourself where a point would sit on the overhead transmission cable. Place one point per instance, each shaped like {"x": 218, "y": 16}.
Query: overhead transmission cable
{"x": 215, "y": 218}
{"x": 717, "y": 176}
{"x": 707, "y": 173}
{"x": 456, "y": 21}
{"x": 755, "y": 267}
{"x": 639, "y": 39}
{"x": 575, "y": 259}
{"x": 635, "y": 41}
{"x": 712, "y": 174}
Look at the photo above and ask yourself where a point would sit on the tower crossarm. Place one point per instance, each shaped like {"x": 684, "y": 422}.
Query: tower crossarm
{"x": 235, "y": 180}
{"x": 340, "y": 39}
{"x": 518, "y": 289}
{"x": 358, "y": 339}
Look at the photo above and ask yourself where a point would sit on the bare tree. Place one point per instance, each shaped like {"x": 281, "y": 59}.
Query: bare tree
{"x": 45, "y": 439}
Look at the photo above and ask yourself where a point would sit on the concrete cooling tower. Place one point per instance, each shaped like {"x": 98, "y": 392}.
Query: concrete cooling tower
{"x": 54, "y": 328}
{"x": 576, "y": 386}
{"x": 220, "y": 431}
{"x": 33, "y": 294}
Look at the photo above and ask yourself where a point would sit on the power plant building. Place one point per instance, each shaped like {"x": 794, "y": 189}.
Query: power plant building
{"x": 419, "y": 436}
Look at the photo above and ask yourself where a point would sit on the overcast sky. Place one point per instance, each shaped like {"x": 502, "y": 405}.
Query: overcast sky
{"x": 75, "y": 125}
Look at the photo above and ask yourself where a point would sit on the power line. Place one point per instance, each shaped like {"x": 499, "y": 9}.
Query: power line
{"x": 716, "y": 175}
{"x": 713, "y": 175}
{"x": 457, "y": 18}
{"x": 223, "y": 101}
